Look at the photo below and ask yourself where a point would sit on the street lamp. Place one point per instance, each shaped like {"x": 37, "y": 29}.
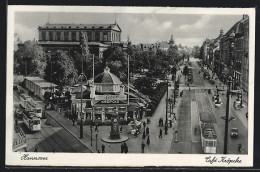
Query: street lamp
{"x": 91, "y": 133}
{"x": 82, "y": 79}
{"x": 227, "y": 115}
{"x": 49, "y": 52}
{"x": 96, "y": 140}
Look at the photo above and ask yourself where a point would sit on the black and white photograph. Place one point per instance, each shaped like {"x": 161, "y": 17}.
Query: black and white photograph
{"x": 130, "y": 86}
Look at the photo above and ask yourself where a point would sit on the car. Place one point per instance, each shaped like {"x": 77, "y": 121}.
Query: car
{"x": 234, "y": 132}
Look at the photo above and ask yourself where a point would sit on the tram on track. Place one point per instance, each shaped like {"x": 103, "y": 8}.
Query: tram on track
{"x": 208, "y": 134}
{"x": 31, "y": 121}
{"x": 34, "y": 107}
{"x": 23, "y": 100}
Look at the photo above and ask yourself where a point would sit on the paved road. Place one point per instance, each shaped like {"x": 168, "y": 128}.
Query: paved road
{"x": 205, "y": 104}
{"x": 51, "y": 137}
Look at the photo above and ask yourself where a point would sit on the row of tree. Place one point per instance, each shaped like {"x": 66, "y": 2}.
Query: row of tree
{"x": 63, "y": 68}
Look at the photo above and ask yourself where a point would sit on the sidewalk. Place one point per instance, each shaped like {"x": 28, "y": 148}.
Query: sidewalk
{"x": 157, "y": 145}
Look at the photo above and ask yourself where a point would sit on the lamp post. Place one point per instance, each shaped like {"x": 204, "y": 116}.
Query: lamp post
{"x": 82, "y": 78}
{"x": 227, "y": 115}
{"x": 91, "y": 133}
{"x": 167, "y": 101}
{"x": 96, "y": 140}
{"x": 51, "y": 69}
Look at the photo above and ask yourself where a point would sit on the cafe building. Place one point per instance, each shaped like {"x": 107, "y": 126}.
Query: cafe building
{"x": 105, "y": 97}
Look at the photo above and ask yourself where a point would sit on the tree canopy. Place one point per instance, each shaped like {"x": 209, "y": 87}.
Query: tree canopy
{"x": 61, "y": 68}
{"x": 30, "y": 60}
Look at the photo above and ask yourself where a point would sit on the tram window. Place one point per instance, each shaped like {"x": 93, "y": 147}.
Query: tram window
{"x": 36, "y": 122}
{"x": 38, "y": 110}
{"x": 210, "y": 143}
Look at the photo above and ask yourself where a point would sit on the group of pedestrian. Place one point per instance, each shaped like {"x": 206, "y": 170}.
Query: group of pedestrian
{"x": 161, "y": 122}
{"x": 124, "y": 148}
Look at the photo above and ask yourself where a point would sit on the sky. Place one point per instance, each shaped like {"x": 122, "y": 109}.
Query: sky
{"x": 187, "y": 29}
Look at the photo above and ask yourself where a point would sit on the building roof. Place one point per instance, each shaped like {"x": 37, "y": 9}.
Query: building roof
{"x": 69, "y": 43}
{"x": 107, "y": 77}
{"x": 45, "y": 84}
{"x": 81, "y": 26}
{"x": 34, "y": 78}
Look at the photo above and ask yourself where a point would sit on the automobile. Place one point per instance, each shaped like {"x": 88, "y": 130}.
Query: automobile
{"x": 234, "y": 132}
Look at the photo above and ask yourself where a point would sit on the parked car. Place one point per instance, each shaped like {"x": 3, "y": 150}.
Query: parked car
{"x": 234, "y": 132}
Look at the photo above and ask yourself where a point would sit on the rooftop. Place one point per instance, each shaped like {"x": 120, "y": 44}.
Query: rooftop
{"x": 107, "y": 77}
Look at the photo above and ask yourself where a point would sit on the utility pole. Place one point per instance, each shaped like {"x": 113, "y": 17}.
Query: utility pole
{"x": 227, "y": 116}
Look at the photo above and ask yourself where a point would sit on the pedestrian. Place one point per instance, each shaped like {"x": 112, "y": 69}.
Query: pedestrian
{"x": 160, "y": 122}
{"x": 160, "y": 135}
{"x": 36, "y": 149}
{"x": 135, "y": 133}
{"x": 103, "y": 148}
{"x": 73, "y": 121}
{"x": 144, "y": 124}
{"x": 126, "y": 148}
{"x": 166, "y": 129}
{"x": 121, "y": 128}
{"x": 174, "y": 116}
{"x": 147, "y": 130}
{"x": 96, "y": 129}
{"x": 144, "y": 134}
{"x": 143, "y": 145}
{"x": 148, "y": 140}
{"x": 122, "y": 148}
{"x": 148, "y": 120}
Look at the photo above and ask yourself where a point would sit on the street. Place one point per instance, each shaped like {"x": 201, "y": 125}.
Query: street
{"x": 52, "y": 137}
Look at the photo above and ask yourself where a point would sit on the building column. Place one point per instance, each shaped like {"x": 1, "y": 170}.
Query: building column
{"x": 103, "y": 114}
{"x": 70, "y": 36}
{"x": 62, "y": 36}
{"x": 47, "y": 36}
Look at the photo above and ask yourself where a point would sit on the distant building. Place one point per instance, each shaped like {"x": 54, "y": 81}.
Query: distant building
{"x": 66, "y": 37}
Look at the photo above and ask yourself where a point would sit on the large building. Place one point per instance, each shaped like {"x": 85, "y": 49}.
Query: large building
{"x": 66, "y": 37}
{"x": 106, "y": 97}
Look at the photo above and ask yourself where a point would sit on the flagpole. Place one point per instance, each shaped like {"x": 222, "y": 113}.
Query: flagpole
{"x": 93, "y": 67}
{"x": 128, "y": 77}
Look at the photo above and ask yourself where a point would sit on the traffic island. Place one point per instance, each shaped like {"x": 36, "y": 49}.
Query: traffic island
{"x": 108, "y": 139}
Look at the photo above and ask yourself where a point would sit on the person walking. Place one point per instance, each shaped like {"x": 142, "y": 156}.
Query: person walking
{"x": 160, "y": 135}
{"x": 126, "y": 148}
{"x": 166, "y": 129}
{"x": 174, "y": 116}
{"x": 144, "y": 134}
{"x": 121, "y": 129}
{"x": 96, "y": 129}
{"x": 147, "y": 130}
{"x": 148, "y": 140}
{"x": 122, "y": 148}
{"x": 73, "y": 121}
{"x": 143, "y": 145}
{"x": 162, "y": 122}
{"x": 103, "y": 148}
{"x": 144, "y": 124}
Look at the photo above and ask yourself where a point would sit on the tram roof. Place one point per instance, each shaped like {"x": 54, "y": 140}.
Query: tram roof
{"x": 208, "y": 131}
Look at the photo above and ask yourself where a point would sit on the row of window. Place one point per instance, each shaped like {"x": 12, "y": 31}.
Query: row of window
{"x": 74, "y": 36}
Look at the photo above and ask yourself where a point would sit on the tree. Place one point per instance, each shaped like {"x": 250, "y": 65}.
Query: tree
{"x": 64, "y": 73}
{"x": 186, "y": 71}
{"x": 30, "y": 60}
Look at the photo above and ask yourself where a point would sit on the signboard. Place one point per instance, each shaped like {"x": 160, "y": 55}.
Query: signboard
{"x": 110, "y": 97}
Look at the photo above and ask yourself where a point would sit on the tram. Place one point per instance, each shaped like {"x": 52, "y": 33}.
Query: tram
{"x": 34, "y": 107}
{"x": 23, "y": 100}
{"x": 208, "y": 133}
{"x": 31, "y": 121}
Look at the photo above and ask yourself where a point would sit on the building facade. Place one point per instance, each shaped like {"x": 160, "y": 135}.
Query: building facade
{"x": 106, "y": 97}
{"x": 66, "y": 37}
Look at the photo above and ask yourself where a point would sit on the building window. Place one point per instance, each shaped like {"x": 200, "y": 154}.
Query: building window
{"x": 105, "y": 37}
{"x": 50, "y": 36}
{"x": 58, "y": 36}
{"x": 93, "y": 36}
{"x": 43, "y": 35}
{"x": 66, "y": 36}
{"x": 73, "y": 36}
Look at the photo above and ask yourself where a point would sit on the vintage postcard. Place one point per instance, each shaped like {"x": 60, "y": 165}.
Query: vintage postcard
{"x": 130, "y": 86}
